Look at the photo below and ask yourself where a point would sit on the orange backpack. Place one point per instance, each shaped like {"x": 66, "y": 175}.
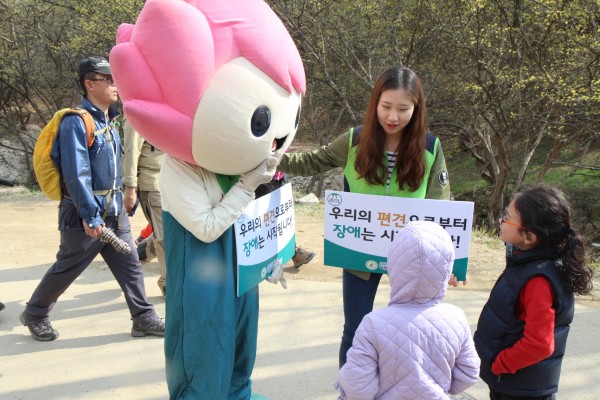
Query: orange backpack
{"x": 46, "y": 173}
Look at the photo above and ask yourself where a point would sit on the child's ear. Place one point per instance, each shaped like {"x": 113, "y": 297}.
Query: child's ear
{"x": 530, "y": 238}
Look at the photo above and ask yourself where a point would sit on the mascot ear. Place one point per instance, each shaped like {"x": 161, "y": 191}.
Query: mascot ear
{"x": 128, "y": 63}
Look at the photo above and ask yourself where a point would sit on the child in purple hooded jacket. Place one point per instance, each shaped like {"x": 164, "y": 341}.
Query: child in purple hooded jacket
{"x": 417, "y": 347}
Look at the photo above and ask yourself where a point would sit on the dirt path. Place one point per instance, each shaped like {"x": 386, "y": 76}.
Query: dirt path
{"x": 485, "y": 263}
{"x": 299, "y": 327}
{"x": 29, "y": 227}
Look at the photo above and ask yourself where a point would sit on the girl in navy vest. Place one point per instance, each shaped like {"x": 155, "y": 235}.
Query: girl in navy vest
{"x": 522, "y": 330}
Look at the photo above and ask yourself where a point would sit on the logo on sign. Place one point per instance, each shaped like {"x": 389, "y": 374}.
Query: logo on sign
{"x": 371, "y": 265}
{"x": 334, "y": 199}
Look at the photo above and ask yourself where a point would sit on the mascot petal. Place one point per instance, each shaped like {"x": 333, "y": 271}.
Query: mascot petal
{"x": 163, "y": 62}
{"x": 138, "y": 110}
{"x": 124, "y": 33}
{"x": 215, "y": 84}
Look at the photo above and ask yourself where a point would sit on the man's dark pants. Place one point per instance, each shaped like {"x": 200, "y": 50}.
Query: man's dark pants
{"x": 77, "y": 251}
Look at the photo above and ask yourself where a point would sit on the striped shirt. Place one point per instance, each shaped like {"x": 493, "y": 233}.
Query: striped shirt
{"x": 391, "y": 159}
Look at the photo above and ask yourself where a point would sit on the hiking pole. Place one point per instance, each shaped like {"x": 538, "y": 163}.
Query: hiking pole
{"x": 108, "y": 236}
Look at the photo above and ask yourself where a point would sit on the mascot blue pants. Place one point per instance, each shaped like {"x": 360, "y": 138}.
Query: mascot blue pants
{"x": 210, "y": 339}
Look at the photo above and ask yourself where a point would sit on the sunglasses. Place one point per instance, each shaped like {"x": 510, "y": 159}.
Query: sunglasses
{"x": 107, "y": 80}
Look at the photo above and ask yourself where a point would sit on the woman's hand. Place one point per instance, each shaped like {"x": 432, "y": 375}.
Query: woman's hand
{"x": 454, "y": 281}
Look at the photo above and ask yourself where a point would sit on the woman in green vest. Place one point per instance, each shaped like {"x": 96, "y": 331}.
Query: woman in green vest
{"x": 391, "y": 154}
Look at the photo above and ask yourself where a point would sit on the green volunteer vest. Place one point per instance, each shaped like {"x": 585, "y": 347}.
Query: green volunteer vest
{"x": 360, "y": 185}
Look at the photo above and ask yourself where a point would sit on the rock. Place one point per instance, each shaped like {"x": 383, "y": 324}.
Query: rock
{"x": 13, "y": 163}
{"x": 308, "y": 199}
{"x": 331, "y": 180}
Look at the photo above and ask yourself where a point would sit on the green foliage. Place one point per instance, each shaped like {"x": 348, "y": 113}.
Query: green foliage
{"x": 345, "y": 46}
{"x": 312, "y": 210}
{"x": 511, "y": 85}
{"x": 487, "y": 239}
{"x": 595, "y": 267}
{"x": 41, "y": 43}
{"x": 98, "y": 23}
{"x": 526, "y": 71}
{"x": 502, "y": 77}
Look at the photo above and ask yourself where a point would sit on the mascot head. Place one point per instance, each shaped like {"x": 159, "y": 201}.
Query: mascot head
{"x": 214, "y": 83}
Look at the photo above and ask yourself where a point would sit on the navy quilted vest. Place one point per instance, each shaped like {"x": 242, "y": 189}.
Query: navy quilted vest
{"x": 499, "y": 327}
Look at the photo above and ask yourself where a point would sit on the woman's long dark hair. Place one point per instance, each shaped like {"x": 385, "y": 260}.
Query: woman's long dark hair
{"x": 410, "y": 161}
{"x": 546, "y": 213}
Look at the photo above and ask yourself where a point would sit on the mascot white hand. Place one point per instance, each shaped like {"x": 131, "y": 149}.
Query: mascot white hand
{"x": 277, "y": 274}
{"x": 261, "y": 174}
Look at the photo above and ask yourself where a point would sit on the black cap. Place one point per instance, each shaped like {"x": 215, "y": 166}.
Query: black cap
{"x": 94, "y": 64}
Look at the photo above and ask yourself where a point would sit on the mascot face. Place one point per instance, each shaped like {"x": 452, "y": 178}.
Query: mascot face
{"x": 214, "y": 83}
{"x": 243, "y": 116}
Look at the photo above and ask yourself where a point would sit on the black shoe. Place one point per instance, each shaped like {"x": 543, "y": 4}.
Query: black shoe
{"x": 151, "y": 326}
{"x": 1, "y": 306}
{"x": 141, "y": 250}
{"x": 40, "y": 330}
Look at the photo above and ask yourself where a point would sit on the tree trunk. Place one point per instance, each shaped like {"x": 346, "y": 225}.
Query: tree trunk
{"x": 558, "y": 144}
{"x": 496, "y": 201}
{"x": 527, "y": 159}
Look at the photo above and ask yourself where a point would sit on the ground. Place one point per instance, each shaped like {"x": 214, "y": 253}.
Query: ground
{"x": 486, "y": 259}
{"x": 299, "y": 328}
{"x": 32, "y": 223}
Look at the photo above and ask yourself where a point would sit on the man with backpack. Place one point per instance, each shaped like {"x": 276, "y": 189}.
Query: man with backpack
{"x": 91, "y": 202}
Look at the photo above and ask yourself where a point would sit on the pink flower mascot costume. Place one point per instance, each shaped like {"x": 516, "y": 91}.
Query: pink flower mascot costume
{"x": 216, "y": 85}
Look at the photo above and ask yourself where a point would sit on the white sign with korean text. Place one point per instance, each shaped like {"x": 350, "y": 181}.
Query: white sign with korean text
{"x": 360, "y": 228}
{"x": 265, "y": 232}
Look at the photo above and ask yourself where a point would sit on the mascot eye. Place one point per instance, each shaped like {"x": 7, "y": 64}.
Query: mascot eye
{"x": 297, "y": 118}
{"x": 261, "y": 120}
